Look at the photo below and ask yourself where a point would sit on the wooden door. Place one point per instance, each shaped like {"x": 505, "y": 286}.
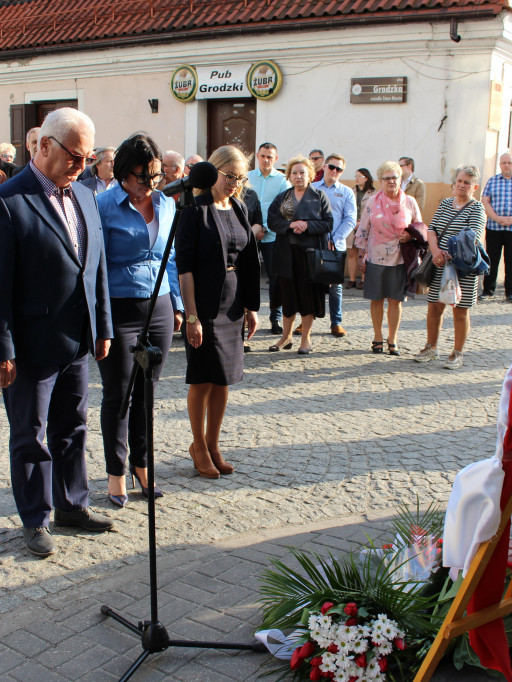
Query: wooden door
{"x": 44, "y": 108}
{"x": 231, "y": 121}
{"x": 23, "y": 118}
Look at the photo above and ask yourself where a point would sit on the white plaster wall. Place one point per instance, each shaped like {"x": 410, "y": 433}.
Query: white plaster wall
{"x": 313, "y": 108}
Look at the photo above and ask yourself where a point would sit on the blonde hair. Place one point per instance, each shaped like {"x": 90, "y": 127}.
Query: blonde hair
{"x": 228, "y": 154}
{"x": 389, "y": 165}
{"x": 300, "y": 159}
{"x": 7, "y": 148}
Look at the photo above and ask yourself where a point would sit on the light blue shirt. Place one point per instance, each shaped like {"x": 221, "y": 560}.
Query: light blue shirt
{"x": 267, "y": 189}
{"x": 132, "y": 263}
{"x": 344, "y": 211}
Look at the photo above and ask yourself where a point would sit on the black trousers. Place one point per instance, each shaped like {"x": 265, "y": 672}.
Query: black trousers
{"x": 128, "y": 316}
{"x": 267, "y": 251}
{"x": 495, "y": 241}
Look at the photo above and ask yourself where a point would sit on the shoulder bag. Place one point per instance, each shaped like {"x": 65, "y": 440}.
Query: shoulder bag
{"x": 425, "y": 270}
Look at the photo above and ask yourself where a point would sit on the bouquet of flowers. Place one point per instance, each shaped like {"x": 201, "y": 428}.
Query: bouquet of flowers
{"x": 347, "y": 644}
{"x": 370, "y": 615}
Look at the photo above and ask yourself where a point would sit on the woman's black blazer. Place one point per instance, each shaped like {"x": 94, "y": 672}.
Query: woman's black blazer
{"x": 314, "y": 207}
{"x": 202, "y": 249}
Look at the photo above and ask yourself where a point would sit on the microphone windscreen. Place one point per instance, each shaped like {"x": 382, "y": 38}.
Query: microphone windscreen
{"x": 203, "y": 175}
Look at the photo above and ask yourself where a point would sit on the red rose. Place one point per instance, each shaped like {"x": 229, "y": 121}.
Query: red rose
{"x": 316, "y": 661}
{"x": 399, "y": 642}
{"x": 325, "y": 607}
{"x": 297, "y": 659}
{"x": 360, "y": 660}
{"x": 350, "y": 609}
{"x": 333, "y": 648}
{"x": 315, "y": 674}
{"x": 387, "y": 546}
{"x": 328, "y": 674}
{"x": 351, "y": 621}
{"x": 352, "y": 679}
{"x": 308, "y": 649}
{"x": 383, "y": 664}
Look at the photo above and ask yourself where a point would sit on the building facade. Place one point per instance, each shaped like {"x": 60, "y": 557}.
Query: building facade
{"x": 374, "y": 86}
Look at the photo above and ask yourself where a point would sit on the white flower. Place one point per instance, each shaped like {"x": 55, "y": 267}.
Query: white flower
{"x": 348, "y": 632}
{"x": 383, "y": 649}
{"x": 329, "y": 663}
{"x": 324, "y": 621}
{"x": 360, "y": 645}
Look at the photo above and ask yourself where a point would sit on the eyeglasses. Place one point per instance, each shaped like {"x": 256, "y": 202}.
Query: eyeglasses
{"x": 142, "y": 178}
{"x": 232, "y": 179}
{"x": 332, "y": 167}
{"x": 76, "y": 157}
{"x": 403, "y": 165}
{"x": 7, "y": 157}
{"x": 390, "y": 179}
{"x": 316, "y": 158}
{"x": 189, "y": 165}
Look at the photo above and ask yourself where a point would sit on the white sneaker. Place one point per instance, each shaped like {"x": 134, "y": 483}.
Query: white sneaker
{"x": 427, "y": 354}
{"x": 455, "y": 360}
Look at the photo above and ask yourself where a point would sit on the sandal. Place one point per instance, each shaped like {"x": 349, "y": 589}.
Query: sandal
{"x": 377, "y": 346}
{"x": 276, "y": 348}
{"x": 392, "y": 349}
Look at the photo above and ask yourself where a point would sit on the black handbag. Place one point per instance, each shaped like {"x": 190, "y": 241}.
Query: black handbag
{"x": 326, "y": 266}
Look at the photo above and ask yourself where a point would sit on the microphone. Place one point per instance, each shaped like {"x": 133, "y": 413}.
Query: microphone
{"x": 202, "y": 176}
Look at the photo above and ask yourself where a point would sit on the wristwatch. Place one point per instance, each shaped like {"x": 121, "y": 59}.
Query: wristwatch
{"x": 191, "y": 319}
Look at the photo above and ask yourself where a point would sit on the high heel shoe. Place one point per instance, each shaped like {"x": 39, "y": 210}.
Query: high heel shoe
{"x": 392, "y": 349}
{"x": 118, "y": 500}
{"x": 275, "y": 347}
{"x": 205, "y": 468}
{"x": 145, "y": 492}
{"x": 221, "y": 464}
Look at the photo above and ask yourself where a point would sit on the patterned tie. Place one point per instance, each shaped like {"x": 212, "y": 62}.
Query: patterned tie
{"x": 75, "y": 226}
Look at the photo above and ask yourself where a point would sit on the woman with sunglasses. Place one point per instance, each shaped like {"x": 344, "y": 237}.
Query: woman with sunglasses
{"x": 136, "y": 220}
{"x": 382, "y": 229}
{"x": 219, "y": 274}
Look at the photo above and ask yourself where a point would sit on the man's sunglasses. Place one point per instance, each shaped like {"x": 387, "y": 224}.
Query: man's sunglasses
{"x": 332, "y": 167}
{"x": 76, "y": 157}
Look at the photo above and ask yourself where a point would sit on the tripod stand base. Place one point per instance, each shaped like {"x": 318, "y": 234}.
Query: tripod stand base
{"x": 154, "y": 639}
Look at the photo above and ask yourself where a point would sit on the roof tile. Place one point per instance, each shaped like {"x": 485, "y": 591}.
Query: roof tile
{"x": 26, "y": 24}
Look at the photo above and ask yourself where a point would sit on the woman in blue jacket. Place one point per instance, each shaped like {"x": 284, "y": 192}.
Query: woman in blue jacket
{"x": 136, "y": 220}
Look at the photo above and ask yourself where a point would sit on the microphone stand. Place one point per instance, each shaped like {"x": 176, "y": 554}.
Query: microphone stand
{"x": 153, "y": 635}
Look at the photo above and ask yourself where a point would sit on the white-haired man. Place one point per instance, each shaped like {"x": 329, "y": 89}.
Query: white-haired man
{"x": 53, "y": 309}
{"x": 191, "y": 161}
{"x": 172, "y": 165}
{"x": 31, "y": 145}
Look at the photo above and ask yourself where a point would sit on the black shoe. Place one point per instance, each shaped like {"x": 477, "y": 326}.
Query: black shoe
{"x": 84, "y": 518}
{"x": 485, "y": 296}
{"x": 276, "y": 328}
{"x": 39, "y": 541}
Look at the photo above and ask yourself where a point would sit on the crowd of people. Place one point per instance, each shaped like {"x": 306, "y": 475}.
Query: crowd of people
{"x": 83, "y": 231}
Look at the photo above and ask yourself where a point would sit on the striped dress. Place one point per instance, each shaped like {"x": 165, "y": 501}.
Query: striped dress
{"x": 473, "y": 217}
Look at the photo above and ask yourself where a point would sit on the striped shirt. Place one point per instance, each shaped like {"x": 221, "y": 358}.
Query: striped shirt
{"x": 499, "y": 191}
{"x": 64, "y": 202}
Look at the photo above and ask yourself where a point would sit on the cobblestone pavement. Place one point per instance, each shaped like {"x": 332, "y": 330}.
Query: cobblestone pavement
{"x": 325, "y": 448}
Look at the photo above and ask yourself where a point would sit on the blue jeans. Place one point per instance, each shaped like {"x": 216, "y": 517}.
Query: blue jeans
{"x": 267, "y": 249}
{"x": 335, "y": 299}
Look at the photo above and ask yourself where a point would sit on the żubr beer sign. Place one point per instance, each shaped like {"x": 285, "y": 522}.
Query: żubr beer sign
{"x": 264, "y": 79}
{"x": 184, "y": 83}
{"x": 378, "y": 90}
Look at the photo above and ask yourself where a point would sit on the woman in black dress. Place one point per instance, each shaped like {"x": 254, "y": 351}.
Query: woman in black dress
{"x": 218, "y": 266}
{"x": 300, "y": 216}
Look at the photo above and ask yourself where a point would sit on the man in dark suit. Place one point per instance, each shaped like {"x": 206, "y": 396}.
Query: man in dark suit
{"x": 53, "y": 308}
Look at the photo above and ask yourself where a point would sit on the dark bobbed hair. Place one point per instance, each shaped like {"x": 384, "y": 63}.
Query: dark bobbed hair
{"x": 137, "y": 150}
{"x": 369, "y": 180}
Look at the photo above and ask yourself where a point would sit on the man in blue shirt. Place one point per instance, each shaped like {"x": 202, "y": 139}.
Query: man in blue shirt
{"x": 344, "y": 213}
{"x": 497, "y": 201}
{"x": 268, "y": 183}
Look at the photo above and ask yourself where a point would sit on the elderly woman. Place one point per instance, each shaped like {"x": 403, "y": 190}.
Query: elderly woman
{"x": 219, "y": 274}
{"x": 136, "y": 220}
{"x": 454, "y": 214}
{"x": 7, "y": 152}
{"x": 102, "y": 169}
{"x": 301, "y": 218}
{"x": 381, "y": 231}
{"x": 363, "y": 190}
